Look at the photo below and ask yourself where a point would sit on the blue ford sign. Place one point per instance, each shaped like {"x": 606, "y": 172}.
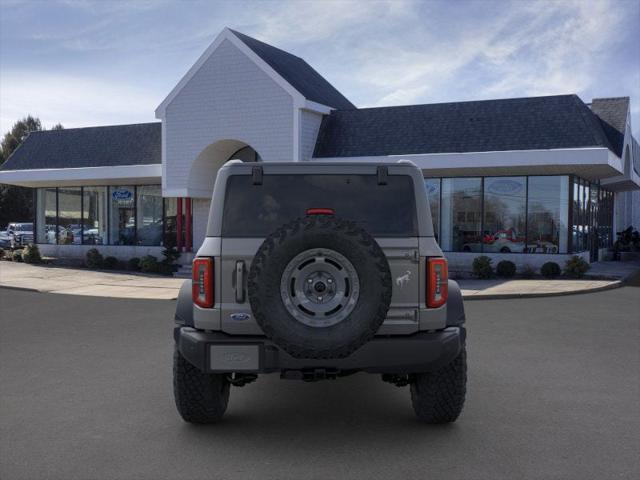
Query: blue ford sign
{"x": 505, "y": 186}
{"x": 121, "y": 194}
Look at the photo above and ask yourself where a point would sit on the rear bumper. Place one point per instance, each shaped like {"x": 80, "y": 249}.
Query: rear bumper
{"x": 219, "y": 352}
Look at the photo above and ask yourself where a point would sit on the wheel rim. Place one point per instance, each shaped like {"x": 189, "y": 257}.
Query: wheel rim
{"x": 320, "y": 287}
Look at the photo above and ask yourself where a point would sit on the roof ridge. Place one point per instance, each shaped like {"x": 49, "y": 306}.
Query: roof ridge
{"x": 97, "y": 126}
{"x": 466, "y": 101}
{"x": 237, "y": 33}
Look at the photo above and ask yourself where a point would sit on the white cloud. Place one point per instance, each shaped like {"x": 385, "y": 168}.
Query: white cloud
{"x": 72, "y": 101}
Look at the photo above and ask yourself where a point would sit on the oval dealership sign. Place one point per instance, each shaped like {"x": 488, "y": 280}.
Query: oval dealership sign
{"x": 505, "y": 187}
{"x": 121, "y": 194}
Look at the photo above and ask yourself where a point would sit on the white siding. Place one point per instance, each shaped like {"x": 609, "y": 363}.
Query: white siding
{"x": 309, "y": 126}
{"x": 200, "y": 213}
{"x": 230, "y": 97}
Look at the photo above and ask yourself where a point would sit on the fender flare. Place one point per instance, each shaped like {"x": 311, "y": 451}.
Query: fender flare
{"x": 455, "y": 305}
{"x": 184, "y": 308}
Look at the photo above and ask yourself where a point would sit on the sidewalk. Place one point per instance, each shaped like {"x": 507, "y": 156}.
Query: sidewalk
{"x": 77, "y": 281}
{"x": 601, "y": 276}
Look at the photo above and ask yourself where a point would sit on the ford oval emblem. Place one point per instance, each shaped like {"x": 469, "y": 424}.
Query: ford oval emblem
{"x": 240, "y": 317}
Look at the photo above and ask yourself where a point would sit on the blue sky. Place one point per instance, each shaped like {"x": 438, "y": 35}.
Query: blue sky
{"x": 86, "y": 63}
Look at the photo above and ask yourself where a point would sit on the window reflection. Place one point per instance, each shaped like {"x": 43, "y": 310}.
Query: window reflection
{"x": 149, "y": 215}
{"x": 95, "y": 216}
{"x": 433, "y": 192}
{"x": 122, "y": 228}
{"x": 69, "y": 217}
{"x": 461, "y": 214}
{"x": 547, "y": 215}
{"x": 46, "y": 215}
{"x": 504, "y": 214}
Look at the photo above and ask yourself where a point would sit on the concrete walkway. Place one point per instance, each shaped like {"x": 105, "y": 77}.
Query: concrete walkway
{"x": 76, "y": 281}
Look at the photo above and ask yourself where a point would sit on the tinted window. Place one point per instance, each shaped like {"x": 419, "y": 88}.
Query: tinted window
{"x": 258, "y": 210}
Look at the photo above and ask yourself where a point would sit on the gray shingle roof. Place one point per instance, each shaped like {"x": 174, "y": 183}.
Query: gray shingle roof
{"x": 137, "y": 144}
{"x": 612, "y": 113}
{"x": 298, "y": 73}
{"x": 552, "y": 122}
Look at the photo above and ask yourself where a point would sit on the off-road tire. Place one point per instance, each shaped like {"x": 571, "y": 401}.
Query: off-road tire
{"x": 200, "y": 397}
{"x": 438, "y": 397}
{"x": 317, "y": 232}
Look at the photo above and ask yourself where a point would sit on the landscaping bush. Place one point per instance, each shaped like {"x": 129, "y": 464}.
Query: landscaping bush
{"x": 133, "y": 264}
{"x": 94, "y": 258}
{"x": 550, "y": 270}
{"x": 576, "y": 267}
{"x": 165, "y": 269}
{"x": 31, "y": 254}
{"x": 17, "y": 256}
{"x": 506, "y": 268}
{"x": 482, "y": 267}
{"x": 149, "y": 264}
{"x": 110, "y": 263}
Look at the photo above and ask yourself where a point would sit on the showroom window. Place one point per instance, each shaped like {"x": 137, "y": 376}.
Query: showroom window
{"x": 69, "y": 216}
{"x": 46, "y": 215}
{"x": 433, "y": 192}
{"x": 149, "y": 215}
{"x": 170, "y": 221}
{"x": 94, "y": 208}
{"x": 122, "y": 216}
{"x": 505, "y": 214}
{"x": 547, "y": 214}
{"x": 461, "y": 214}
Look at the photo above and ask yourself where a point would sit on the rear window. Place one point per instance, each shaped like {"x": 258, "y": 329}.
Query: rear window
{"x": 257, "y": 210}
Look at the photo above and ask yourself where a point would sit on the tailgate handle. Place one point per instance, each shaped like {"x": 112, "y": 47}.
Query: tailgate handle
{"x": 240, "y": 281}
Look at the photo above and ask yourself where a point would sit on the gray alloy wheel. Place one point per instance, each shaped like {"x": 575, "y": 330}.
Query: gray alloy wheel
{"x": 320, "y": 287}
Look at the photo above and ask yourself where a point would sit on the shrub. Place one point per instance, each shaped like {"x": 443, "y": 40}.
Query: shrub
{"x": 1, "y": 253}
{"x": 31, "y": 254}
{"x": 506, "y": 268}
{"x": 149, "y": 264}
{"x": 133, "y": 264}
{"x": 550, "y": 270}
{"x": 165, "y": 269}
{"x": 110, "y": 263}
{"x": 171, "y": 255}
{"x": 576, "y": 267}
{"x": 482, "y": 267}
{"x": 17, "y": 256}
{"x": 94, "y": 258}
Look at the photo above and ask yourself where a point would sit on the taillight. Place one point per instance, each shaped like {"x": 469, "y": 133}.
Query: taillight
{"x": 437, "y": 282}
{"x": 202, "y": 285}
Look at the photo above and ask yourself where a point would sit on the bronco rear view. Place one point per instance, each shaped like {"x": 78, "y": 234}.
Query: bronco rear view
{"x": 317, "y": 271}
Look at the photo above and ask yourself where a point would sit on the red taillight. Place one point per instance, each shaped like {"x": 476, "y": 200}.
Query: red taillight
{"x": 202, "y": 285}
{"x": 437, "y": 282}
{"x": 320, "y": 211}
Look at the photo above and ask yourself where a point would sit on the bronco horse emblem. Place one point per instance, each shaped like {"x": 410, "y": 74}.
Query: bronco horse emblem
{"x": 402, "y": 280}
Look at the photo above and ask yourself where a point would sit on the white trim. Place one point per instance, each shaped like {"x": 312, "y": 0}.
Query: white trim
{"x": 507, "y": 158}
{"x": 317, "y": 107}
{"x": 297, "y": 113}
{"x": 83, "y": 176}
{"x": 227, "y": 34}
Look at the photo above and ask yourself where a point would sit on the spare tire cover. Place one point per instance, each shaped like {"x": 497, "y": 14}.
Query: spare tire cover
{"x": 320, "y": 287}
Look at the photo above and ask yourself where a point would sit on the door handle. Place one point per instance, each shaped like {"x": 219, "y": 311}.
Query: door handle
{"x": 239, "y": 281}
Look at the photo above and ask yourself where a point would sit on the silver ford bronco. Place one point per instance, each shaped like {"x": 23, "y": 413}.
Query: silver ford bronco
{"x": 317, "y": 271}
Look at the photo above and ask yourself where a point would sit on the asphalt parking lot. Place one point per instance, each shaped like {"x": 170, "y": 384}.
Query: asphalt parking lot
{"x": 85, "y": 393}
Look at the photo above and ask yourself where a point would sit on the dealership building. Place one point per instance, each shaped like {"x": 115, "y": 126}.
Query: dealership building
{"x": 528, "y": 179}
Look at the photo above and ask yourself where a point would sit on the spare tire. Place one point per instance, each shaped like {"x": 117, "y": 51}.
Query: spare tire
{"x": 320, "y": 287}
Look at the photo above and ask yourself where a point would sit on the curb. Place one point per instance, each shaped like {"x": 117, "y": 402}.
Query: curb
{"x": 25, "y": 289}
{"x": 506, "y": 296}
{"x": 35, "y": 290}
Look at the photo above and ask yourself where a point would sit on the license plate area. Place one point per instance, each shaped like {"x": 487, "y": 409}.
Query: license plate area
{"x": 234, "y": 358}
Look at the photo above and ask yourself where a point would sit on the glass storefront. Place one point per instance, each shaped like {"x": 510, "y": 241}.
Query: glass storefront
{"x": 94, "y": 226}
{"x": 525, "y": 214}
{"x": 505, "y": 213}
{"x": 46, "y": 215}
{"x": 461, "y": 214}
{"x": 116, "y": 215}
{"x": 69, "y": 217}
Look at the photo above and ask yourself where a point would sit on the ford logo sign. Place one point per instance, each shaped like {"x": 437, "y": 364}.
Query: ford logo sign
{"x": 505, "y": 187}
{"x": 240, "y": 317}
{"x": 121, "y": 194}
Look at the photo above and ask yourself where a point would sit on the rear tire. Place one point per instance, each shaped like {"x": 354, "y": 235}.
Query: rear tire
{"x": 438, "y": 397}
{"x": 200, "y": 397}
